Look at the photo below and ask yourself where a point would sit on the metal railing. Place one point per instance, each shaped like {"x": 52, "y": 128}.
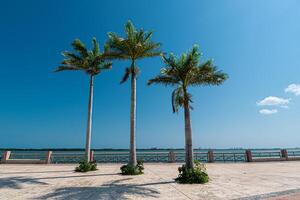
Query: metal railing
{"x": 230, "y": 157}
{"x": 27, "y": 155}
{"x": 266, "y": 154}
{"x": 294, "y": 154}
{"x": 160, "y": 156}
{"x": 67, "y": 157}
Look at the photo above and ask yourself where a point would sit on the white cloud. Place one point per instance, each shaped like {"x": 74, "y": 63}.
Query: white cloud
{"x": 268, "y": 112}
{"x": 273, "y": 101}
{"x": 293, "y": 88}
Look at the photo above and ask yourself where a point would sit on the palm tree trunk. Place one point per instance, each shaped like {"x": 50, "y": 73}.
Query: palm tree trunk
{"x": 89, "y": 121}
{"x": 189, "y": 155}
{"x": 132, "y": 156}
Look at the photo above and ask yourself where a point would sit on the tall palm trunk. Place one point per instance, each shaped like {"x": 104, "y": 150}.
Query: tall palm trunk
{"x": 89, "y": 121}
{"x": 189, "y": 155}
{"x": 132, "y": 156}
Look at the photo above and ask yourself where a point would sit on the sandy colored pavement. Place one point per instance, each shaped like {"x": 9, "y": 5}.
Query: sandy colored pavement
{"x": 246, "y": 181}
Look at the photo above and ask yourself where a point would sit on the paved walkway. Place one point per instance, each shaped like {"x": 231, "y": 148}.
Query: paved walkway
{"x": 252, "y": 181}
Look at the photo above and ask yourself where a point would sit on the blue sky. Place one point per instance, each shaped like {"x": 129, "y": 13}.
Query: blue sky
{"x": 256, "y": 42}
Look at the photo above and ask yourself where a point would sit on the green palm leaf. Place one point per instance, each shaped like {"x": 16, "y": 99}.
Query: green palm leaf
{"x": 185, "y": 71}
{"x": 92, "y": 62}
{"x": 136, "y": 44}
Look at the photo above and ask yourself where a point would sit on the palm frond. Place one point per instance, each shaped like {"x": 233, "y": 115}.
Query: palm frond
{"x": 64, "y": 68}
{"x": 164, "y": 80}
{"x": 80, "y": 48}
{"x": 116, "y": 56}
{"x": 107, "y": 65}
{"x": 70, "y": 55}
{"x": 129, "y": 29}
{"x": 185, "y": 71}
{"x": 177, "y": 99}
{"x": 208, "y": 74}
{"x": 148, "y": 35}
{"x": 126, "y": 75}
{"x": 136, "y": 45}
{"x": 92, "y": 62}
{"x": 95, "y": 47}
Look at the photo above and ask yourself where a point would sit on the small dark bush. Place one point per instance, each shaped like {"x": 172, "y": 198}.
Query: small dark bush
{"x": 133, "y": 170}
{"x": 196, "y": 175}
{"x": 85, "y": 166}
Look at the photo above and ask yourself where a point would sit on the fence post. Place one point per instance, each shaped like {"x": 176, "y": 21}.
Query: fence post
{"x": 249, "y": 155}
{"x": 92, "y": 155}
{"x": 48, "y": 157}
{"x": 284, "y": 154}
{"x": 171, "y": 156}
{"x": 6, "y": 156}
{"x": 210, "y": 154}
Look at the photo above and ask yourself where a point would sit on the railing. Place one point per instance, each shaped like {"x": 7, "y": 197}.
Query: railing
{"x": 19, "y": 157}
{"x": 266, "y": 154}
{"x": 124, "y": 156}
{"x": 230, "y": 157}
{"x": 27, "y": 155}
{"x": 67, "y": 157}
{"x": 294, "y": 154}
{"x": 151, "y": 156}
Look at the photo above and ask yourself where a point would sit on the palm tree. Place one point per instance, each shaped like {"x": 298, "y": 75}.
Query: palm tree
{"x": 137, "y": 45}
{"x": 184, "y": 72}
{"x": 91, "y": 62}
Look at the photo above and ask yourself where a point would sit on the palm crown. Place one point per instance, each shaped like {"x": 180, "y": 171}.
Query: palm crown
{"x": 92, "y": 62}
{"x": 136, "y": 45}
{"x": 185, "y": 71}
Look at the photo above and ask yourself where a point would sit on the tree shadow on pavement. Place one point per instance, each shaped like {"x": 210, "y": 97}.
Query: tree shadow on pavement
{"x": 16, "y": 182}
{"x": 113, "y": 190}
{"x": 19, "y": 181}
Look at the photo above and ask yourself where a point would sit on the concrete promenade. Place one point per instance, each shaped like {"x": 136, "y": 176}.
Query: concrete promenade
{"x": 269, "y": 180}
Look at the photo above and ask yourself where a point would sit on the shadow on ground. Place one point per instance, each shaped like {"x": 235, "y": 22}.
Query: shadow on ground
{"x": 110, "y": 191}
{"x": 272, "y": 194}
{"x": 39, "y": 172}
{"x": 16, "y": 182}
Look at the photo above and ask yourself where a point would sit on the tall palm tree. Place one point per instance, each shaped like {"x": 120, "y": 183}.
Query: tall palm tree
{"x": 91, "y": 62}
{"x": 183, "y": 72}
{"x": 135, "y": 46}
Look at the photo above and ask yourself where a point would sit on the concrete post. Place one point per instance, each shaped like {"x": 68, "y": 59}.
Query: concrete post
{"x": 48, "y": 157}
{"x": 171, "y": 156}
{"x": 210, "y": 156}
{"x": 6, "y": 156}
{"x": 92, "y": 156}
{"x": 284, "y": 154}
{"x": 249, "y": 155}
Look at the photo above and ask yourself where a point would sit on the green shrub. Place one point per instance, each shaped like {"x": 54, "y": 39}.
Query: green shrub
{"x": 85, "y": 166}
{"x": 133, "y": 170}
{"x": 196, "y": 175}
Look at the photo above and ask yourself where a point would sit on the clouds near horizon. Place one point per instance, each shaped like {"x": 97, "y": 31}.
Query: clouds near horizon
{"x": 278, "y": 101}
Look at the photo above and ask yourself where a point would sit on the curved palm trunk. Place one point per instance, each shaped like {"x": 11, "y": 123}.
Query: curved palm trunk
{"x": 89, "y": 121}
{"x": 132, "y": 156}
{"x": 189, "y": 155}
